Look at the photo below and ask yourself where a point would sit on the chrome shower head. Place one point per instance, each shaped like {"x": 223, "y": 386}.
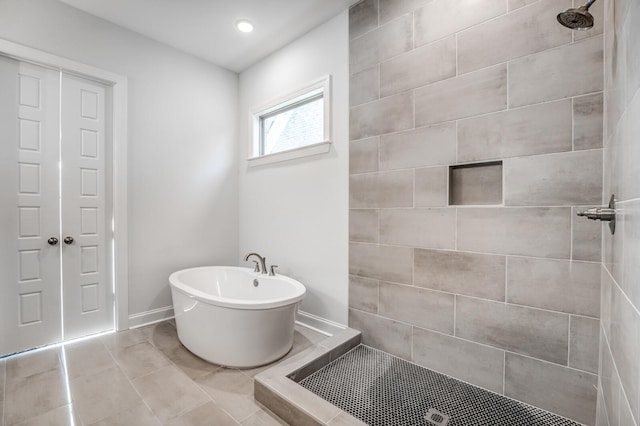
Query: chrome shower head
{"x": 577, "y": 19}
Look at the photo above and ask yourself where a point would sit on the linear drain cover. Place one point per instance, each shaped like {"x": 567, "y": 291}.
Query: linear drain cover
{"x": 436, "y": 418}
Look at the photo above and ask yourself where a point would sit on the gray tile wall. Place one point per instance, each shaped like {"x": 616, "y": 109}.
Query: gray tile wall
{"x": 619, "y": 370}
{"x": 505, "y": 296}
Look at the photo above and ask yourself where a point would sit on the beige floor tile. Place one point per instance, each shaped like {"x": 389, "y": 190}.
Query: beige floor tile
{"x": 87, "y": 357}
{"x": 61, "y": 416}
{"x": 104, "y": 394}
{"x": 123, "y": 339}
{"x": 207, "y": 414}
{"x": 263, "y": 417}
{"x": 140, "y": 359}
{"x": 162, "y": 335}
{"x": 37, "y": 394}
{"x": 140, "y": 415}
{"x": 232, "y": 391}
{"x": 169, "y": 392}
{"x": 28, "y": 364}
{"x": 190, "y": 364}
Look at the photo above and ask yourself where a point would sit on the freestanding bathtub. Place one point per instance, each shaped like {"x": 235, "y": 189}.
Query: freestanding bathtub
{"x": 233, "y": 316}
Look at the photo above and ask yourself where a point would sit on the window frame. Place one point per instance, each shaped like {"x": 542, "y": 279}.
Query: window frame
{"x": 321, "y": 86}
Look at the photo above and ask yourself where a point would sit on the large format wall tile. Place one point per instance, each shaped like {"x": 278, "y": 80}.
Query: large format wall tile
{"x": 587, "y": 237}
{"x": 363, "y": 155}
{"x": 527, "y": 231}
{"x": 382, "y": 333}
{"x": 382, "y": 43}
{"x": 538, "y": 129}
{"x": 363, "y": 225}
{"x": 387, "y": 115}
{"x": 436, "y": 61}
{"x": 471, "y": 94}
{"x": 570, "y": 393}
{"x": 516, "y": 4}
{"x": 472, "y": 274}
{"x": 474, "y": 363}
{"x": 526, "y": 31}
{"x": 557, "y": 285}
{"x": 553, "y": 74}
{"x": 567, "y": 179}
{"x": 363, "y": 17}
{"x": 363, "y": 294}
{"x": 391, "y": 9}
{"x": 625, "y": 345}
{"x": 380, "y": 190}
{"x": 428, "y": 309}
{"x": 583, "y": 343}
{"x": 386, "y": 263}
{"x": 431, "y": 186}
{"x": 427, "y": 228}
{"x": 364, "y": 86}
{"x": 533, "y": 332}
{"x": 440, "y": 18}
{"x": 587, "y": 121}
{"x": 425, "y": 146}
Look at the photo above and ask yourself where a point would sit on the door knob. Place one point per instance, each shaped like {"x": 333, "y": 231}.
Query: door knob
{"x": 52, "y": 241}
{"x": 68, "y": 240}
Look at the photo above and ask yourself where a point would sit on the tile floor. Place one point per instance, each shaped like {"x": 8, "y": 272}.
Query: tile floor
{"x": 137, "y": 377}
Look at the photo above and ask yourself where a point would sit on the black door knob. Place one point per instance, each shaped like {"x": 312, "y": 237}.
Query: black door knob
{"x": 52, "y": 241}
{"x": 68, "y": 240}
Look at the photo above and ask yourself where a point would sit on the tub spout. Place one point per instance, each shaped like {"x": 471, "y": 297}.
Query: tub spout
{"x": 263, "y": 261}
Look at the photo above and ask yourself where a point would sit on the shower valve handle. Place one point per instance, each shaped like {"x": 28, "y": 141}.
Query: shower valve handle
{"x": 599, "y": 213}
{"x": 605, "y": 214}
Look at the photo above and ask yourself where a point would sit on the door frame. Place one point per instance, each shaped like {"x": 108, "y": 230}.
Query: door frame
{"x": 118, "y": 85}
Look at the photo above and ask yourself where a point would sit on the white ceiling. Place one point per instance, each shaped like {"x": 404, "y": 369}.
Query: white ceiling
{"x": 206, "y": 28}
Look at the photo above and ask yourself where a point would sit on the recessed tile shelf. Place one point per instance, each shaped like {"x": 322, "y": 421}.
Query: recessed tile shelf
{"x": 475, "y": 184}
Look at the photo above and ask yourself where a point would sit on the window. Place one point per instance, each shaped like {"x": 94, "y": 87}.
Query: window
{"x": 293, "y": 126}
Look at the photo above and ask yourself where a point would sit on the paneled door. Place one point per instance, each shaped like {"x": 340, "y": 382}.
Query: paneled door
{"x": 52, "y": 174}
{"x": 87, "y": 299}
{"x": 30, "y": 214}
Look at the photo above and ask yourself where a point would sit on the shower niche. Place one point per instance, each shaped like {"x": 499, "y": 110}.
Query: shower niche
{"x": 478, "y": 184}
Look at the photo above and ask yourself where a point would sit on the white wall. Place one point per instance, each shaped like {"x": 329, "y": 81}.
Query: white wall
{"x": 296, "y": 213}
{"x": 182, "y": 116}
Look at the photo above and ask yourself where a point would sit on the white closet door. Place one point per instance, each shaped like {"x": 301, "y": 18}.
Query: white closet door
{"x": 29, "y": 213}
{"x": 88, "y": 297}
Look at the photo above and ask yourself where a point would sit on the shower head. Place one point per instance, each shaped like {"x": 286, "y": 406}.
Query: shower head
{"x": 577, "y": 19}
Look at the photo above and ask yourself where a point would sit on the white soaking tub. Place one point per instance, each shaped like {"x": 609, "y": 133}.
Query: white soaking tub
{"x": 233, "y": 316}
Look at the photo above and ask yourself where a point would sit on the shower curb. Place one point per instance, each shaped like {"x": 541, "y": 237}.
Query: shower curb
{"x": 277, "y": 389}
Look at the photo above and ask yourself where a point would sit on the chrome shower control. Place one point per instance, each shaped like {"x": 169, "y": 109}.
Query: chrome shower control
{"x": 599, "y": 213}
{"x": 605, "y": 214}
{"x": 52, "y": 241}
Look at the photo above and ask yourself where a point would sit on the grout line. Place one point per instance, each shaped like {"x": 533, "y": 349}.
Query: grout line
{"x": 506, "y": 276}
{"x": 455, "y": 311}
{"x": 469, "y": 251}
{"x": 482, "y": 162}
{"x": 504, "y": 372}
{"x": 569, "y": 341}
{"x": 497, "y": 348}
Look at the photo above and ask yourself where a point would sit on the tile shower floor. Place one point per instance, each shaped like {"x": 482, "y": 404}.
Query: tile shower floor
{"x": 383, "y": 390}
{"x": 137, "y": 377}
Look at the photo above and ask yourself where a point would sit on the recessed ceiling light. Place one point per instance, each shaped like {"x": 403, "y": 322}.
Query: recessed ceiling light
{"x": 244, "y": 26}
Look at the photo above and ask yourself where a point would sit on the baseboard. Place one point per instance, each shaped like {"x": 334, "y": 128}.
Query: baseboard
{"x": 150, "y": 317}
{"x": 305, "y": 319}
{"x": 319, "y": 324}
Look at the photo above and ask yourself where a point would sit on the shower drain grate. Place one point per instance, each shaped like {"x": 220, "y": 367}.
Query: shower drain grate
{"x": 383, "y": 390}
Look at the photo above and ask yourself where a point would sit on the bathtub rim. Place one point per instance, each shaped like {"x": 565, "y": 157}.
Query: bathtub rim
{"x": 244, "y": 304}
